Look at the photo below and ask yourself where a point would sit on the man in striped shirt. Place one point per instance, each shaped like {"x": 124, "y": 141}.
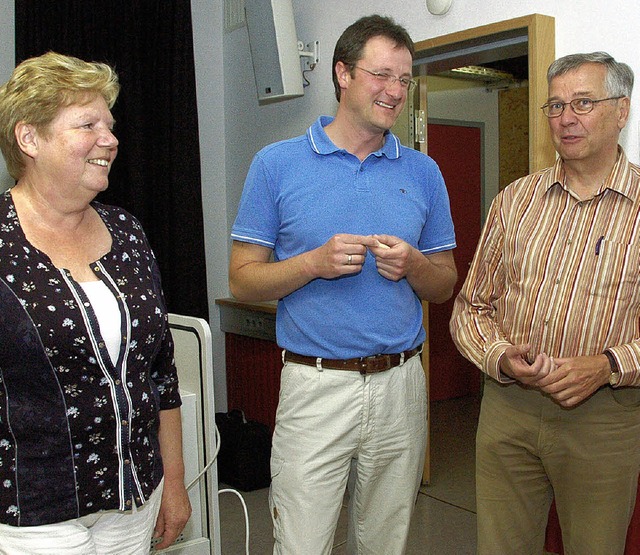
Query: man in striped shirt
{"x": 550, "y": 311}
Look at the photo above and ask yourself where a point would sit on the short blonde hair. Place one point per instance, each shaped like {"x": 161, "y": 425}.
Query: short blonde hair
{"x": 39, "y": 88}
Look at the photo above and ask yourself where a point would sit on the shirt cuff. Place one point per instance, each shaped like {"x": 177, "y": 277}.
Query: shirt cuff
{"x": 491, "y": 361}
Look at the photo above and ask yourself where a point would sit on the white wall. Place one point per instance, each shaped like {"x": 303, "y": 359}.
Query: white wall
{"x": 584, "y": 26}
{"x": 249, "y": 126}
{"x": 7, "y": 61}
{"x": 233, "y": 127}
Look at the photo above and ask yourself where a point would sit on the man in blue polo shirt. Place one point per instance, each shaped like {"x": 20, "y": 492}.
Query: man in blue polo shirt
{"x": 350, "y": 231}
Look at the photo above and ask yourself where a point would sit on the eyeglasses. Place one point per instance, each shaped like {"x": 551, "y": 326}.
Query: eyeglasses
{"x": 389, "y": 80}
{"x": 579, "y": 106}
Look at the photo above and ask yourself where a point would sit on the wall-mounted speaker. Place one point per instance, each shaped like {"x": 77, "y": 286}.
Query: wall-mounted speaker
{"x": 274, "y": 49}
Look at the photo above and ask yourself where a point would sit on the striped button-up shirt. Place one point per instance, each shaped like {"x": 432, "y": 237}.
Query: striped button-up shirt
{"x": 559, "y": 273}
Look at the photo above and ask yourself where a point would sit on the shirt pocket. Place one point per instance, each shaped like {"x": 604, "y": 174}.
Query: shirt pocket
{"x": 617, "y": 271}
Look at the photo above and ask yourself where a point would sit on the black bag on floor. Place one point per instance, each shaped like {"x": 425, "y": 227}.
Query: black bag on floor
{"x": 245, "y": 451}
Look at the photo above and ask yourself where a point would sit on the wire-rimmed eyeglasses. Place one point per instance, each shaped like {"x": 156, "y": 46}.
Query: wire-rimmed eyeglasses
{"x": 579, "y": 106}
{"x": 389, "y": 79}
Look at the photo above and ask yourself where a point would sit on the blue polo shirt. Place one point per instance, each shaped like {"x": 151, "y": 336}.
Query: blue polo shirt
{"x": 302, "y": 191}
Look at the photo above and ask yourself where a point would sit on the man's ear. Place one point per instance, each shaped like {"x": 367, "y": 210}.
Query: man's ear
{"x": 27, "y": 138}
{"x": 343, "y": 74}
{"x": 623, "y": 113}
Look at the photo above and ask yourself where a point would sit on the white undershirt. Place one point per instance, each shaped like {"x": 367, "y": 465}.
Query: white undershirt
{"x": 107, "y": 312}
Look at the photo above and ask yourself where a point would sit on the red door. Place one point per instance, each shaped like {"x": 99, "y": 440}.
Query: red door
{"x": 457, "y": 149}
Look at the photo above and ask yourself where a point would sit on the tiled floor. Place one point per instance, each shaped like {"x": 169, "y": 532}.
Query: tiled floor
{"x": 444, "y": 520}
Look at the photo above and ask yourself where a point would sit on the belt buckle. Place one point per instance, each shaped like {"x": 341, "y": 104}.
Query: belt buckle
{"x": 374, "y": 363}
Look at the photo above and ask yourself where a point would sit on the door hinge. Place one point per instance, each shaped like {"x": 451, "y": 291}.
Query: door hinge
{"x": 420, "y": 126}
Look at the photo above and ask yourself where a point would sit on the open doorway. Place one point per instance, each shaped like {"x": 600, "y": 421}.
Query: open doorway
{"x": 499, "y": 46}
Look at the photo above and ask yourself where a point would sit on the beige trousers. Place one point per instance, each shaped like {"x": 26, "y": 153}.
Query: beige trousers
{"x": 333, "y": 422}
{"x": 529, "y": 449}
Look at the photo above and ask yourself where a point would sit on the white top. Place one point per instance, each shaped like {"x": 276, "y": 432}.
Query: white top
{"x": 107, "y": 312}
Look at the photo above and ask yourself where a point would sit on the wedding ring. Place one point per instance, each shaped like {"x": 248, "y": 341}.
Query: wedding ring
{"x": 348, "y": 259}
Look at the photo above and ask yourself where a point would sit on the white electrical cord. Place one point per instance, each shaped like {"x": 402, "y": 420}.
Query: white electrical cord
{"x": 246, "y": 516}
{"x": 228, "y": 490}
{"x": 208, "y": 465}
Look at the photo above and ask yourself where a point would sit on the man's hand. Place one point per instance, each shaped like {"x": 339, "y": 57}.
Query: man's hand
{"x": 392, "y": 256}
{"x": 514, "y": 364}
{"x": 341, "y": 255}
{"x": 431, "y": 276}
{"x": 254, "y": 276}
{"x": 576, "y": 379}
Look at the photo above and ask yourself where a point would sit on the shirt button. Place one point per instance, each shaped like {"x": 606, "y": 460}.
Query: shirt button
{"x": 127, "y": 461}
{"x": 117, "y": 382}
{"x": 101, "y": 344}
{"x": 128, "y": 503}
{"x": 125, "y": 423}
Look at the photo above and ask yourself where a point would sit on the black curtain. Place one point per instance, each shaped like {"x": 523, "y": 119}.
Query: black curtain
{"x": 156, "y": 176}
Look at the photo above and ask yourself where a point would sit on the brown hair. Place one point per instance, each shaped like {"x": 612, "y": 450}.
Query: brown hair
{"x": 351, "y": 43}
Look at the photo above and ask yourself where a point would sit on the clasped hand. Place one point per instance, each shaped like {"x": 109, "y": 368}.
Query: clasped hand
{"x": 568, "y": 381}
{"x": 345, "y": 254}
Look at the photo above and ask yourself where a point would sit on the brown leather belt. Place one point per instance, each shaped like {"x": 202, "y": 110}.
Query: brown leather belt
{"x": 365, "y": 365}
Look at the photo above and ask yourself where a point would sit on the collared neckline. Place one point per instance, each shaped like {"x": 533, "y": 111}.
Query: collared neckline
{"x": 616, "y": 180}
{"x": 322, "y": 144}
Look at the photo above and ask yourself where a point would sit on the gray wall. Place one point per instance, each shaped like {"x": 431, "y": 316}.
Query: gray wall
{"x": 208, "y": 43}
{"x": 7, "y": 62}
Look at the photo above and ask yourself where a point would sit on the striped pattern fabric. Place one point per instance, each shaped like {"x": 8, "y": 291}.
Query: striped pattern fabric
{"x": 557, "y": 272}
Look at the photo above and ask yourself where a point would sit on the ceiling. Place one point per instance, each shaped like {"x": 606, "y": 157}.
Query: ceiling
{"x": 518, "y": 66}
{"x": 505, "y": 52}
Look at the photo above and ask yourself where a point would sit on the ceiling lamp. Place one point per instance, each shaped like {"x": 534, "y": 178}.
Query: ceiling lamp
{"x": 438, "y": 7}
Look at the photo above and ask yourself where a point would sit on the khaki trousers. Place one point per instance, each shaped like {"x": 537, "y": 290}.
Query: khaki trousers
{"x": 530, "y": 449}
{"x": 331, "y": 423}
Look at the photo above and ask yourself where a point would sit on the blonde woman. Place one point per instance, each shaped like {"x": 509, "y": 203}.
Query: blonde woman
{"x": 90, "y": 433}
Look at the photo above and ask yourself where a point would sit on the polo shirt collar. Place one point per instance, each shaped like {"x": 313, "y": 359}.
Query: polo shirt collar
{"x": 322, "y": 144}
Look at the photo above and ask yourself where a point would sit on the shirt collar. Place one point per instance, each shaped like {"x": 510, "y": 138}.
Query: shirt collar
{"x": 618, "y": 179}
{"x": 322, "y": 144}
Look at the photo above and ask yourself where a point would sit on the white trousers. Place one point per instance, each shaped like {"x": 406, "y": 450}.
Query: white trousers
{"x": 328, "y": 421}
{"x": 105, "y": 533}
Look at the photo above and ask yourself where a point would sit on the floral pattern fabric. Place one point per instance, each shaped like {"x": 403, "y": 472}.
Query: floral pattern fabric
{"x": 79, "y": 434}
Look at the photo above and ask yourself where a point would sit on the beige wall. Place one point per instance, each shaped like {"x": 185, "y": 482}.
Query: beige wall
{"x": 513, "y": 109}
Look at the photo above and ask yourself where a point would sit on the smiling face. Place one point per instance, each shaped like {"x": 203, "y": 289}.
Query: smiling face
{"x": 76, "y": 150}
{"x": 591, "y": 137}
{"x": 374, "y": 105}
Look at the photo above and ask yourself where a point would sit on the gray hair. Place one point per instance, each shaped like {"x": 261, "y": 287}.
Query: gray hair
{"x": 619, "y": 78}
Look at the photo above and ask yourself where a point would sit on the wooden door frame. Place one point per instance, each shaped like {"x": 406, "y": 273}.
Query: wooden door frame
{"x": 540, "y": 33}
